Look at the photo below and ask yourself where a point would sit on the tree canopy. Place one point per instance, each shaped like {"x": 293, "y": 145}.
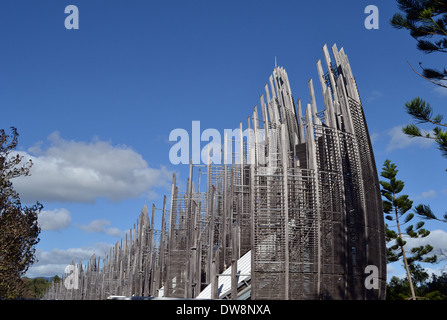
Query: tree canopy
{"x": 18, "y": 223}
{"x": 426, "y": 20}
{"x": 396, "y": 209}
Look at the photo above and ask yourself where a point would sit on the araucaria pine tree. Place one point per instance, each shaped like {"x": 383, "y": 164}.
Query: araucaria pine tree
{"x": 426, "y": 20}
{"x": 396, "y": 209}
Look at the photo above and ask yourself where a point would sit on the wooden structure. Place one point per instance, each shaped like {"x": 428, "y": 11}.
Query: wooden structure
{"x": 303, "y": 199}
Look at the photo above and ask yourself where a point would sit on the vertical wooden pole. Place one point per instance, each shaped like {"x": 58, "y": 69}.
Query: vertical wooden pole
{"x": 171, "y": 225}
{"x": 212, "y": 225}
{"x": 187, "y": 274}
{"x": 162, "y": 248}
{"x": 313, "y": 102}
{"x": 312, "y": 164}
{"x": 214, "y": 271}
{"x": 150, "y": 252}
{"x": 265, "y": 119}
{"x": 253, "y": 164}
{"x": 223, "y": 215}
{"x": 285, "y": 195}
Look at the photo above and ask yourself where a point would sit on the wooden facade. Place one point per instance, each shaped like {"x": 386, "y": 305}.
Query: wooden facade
{"x": 303, "y": 198}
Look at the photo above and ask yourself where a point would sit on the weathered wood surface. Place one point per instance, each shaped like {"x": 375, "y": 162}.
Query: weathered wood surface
{"x": 303, "y": 198}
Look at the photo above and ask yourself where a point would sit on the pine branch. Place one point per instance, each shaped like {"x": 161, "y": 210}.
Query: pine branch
{"x": 425, "y": 212}
{"x": 426, "y": 78}
{"x": 412, "y": 131}
{"x": 423, "y": 112}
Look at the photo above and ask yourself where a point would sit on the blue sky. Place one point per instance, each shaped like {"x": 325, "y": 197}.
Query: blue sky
{"x": 94, "y": 107}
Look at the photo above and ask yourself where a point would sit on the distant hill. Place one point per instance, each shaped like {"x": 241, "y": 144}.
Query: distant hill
{"x": 36, "y": 287}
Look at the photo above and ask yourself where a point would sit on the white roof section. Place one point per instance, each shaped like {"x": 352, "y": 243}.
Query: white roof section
{"x": 224, "y": 284}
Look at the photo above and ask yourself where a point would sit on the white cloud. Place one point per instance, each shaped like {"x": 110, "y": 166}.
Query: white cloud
{"x": 54, "y": 219}
{"x": 72, "y": 171}
{"x": 96, "y": 226}
{"x": 400, "y": 140}
{"x": 437, "y": 271}
{"x": 374, "y": 137}
{"x": 436, "y": 238}
{"x": 441, "y": 91}
{"x": 429, "y": 194}
{"x": 99, "y": 226}
{"x": 390, "y": 270}
{"x": 59, "y": 256}
{"x": 55, "y": 261}
{"x": 46, "y": 270}
{"x": 114, "y": 232}
{"x": 374, "y": 95}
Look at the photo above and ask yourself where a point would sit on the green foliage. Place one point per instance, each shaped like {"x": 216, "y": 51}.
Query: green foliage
{"x": 56, "y": 279}
{"x": 427, "y": 22}
{"x": 396, "y": 209}
{"x": 420, "y": 254}
{"x": 434, "y": 289}
{"x": 390, "y": 189}
{"x": 18, "y": 224}
{"x": 398, "y": 289}
{"x": 425, "y": 212}
{"x": 35, "y": 288}
{"x": 422, "y": 112}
